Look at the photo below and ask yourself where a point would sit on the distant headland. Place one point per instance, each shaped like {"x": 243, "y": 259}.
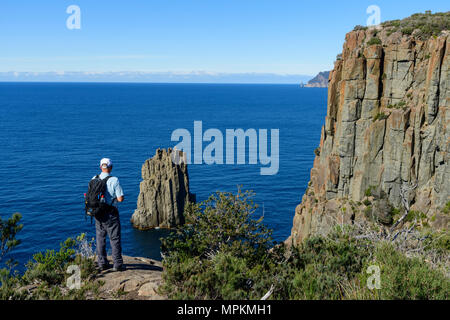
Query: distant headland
{"x": 319, "y": 81}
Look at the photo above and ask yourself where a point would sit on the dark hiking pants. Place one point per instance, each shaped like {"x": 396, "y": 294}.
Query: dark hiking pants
{"x": 108, "y": 224}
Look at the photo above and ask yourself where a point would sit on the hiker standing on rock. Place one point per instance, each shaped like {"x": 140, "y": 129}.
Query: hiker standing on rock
{"x": 104, "y": 193}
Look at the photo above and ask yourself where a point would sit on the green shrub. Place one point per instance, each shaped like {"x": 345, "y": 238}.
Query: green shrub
{"x": 9, "y": 229}
{"x": 413, "y": 215}
{"x": 319, "y": 267}
{"x": 8, "y": 279}
{"x": 380, "y": 116}
{"x": 374, "y": 41}
{"x": 221, "y": 230}
{"x": 211, "y": 259}
{"x": 49, "y": 266}
{"x": 400, "y": 105}
{"x": 440, "y": 241}
{"x": 407, "y": 30}
{"x": 369, "y": 191}
{"x": 446, "y": 209}
{"x": 359, "y": 27}
{"x": 9, "y": 282}
{"x": 408, "y": 278}
{"x": 395, "y": 212}
{"x": 427, "y": 24}
{"x": 47, "y": 270}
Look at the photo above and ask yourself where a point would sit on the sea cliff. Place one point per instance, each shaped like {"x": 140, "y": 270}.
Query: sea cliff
{"x": 385, "y": 136}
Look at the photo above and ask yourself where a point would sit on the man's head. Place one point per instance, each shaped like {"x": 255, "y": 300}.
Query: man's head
{"x": 106, "y": 165}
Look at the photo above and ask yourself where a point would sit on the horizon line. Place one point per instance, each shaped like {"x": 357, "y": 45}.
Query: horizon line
{"x": 178, "y": 73}
{"x": 144, "y": 82}
{"x": 154, "y": 77}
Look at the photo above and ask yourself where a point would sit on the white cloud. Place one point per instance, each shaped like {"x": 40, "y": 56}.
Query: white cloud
{"x": 195, "y": 76}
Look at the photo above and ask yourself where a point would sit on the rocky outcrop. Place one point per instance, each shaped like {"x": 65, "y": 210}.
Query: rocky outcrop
{"x": 319, "y": 81}
{"x": 164, "y": 192}
{"x": 386, "y": 127}
{"x": 140, "y": 280}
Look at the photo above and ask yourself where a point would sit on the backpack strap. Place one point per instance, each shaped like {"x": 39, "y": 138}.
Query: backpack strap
{"x": 103, "y": 181}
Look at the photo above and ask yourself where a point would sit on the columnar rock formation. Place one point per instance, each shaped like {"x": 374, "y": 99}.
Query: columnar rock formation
{"x": 164, "y": 192}
{"x": 386, "y": 127}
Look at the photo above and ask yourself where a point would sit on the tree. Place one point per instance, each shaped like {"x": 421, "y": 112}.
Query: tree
{"x": 9, "y": 229}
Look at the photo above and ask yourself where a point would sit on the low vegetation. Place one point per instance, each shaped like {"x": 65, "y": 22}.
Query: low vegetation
{"x": 46, "y": 274}
{"x": 446, "y": 209}
{"x": 400, "y": 105}
{"x": 425, "y": 24}
{"x": 374, "y": 41}
{"x": 380, "y": 116}
{"x": 225, "y": 252}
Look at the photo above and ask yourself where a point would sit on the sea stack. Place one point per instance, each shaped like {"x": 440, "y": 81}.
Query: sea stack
{"x": 385, "y": 141}
{"x": 164, "y": 191}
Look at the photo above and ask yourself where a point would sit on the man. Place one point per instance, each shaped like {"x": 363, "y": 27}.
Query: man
{"x": 109, "y": 223}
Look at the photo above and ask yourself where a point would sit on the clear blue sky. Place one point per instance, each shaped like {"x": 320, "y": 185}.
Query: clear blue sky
{"x": 274, "y": 36}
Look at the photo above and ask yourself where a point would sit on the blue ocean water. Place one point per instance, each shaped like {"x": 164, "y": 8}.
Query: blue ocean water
{"x": 52, "y": 136}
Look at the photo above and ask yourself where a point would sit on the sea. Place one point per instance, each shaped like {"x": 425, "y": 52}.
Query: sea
{"x": 53, "y": 135}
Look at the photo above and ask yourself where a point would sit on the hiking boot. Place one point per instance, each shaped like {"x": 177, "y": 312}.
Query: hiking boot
{"x": 119, "y": 268}
{"x": 103, "y": 267}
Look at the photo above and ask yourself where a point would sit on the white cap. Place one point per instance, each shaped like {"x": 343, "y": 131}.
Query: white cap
{"x": 106, "y": 161}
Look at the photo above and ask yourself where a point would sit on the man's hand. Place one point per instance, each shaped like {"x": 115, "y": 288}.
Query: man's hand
{"x": 120, "y": 199}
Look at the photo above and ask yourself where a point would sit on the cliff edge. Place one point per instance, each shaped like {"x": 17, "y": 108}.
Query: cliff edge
{"x": 386, "y": 134}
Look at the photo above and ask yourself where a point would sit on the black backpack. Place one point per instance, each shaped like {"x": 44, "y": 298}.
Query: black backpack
{"x": 95, "y": 201}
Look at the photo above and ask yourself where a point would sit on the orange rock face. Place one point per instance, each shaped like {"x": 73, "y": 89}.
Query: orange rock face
{"x": 386, "y": 126}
